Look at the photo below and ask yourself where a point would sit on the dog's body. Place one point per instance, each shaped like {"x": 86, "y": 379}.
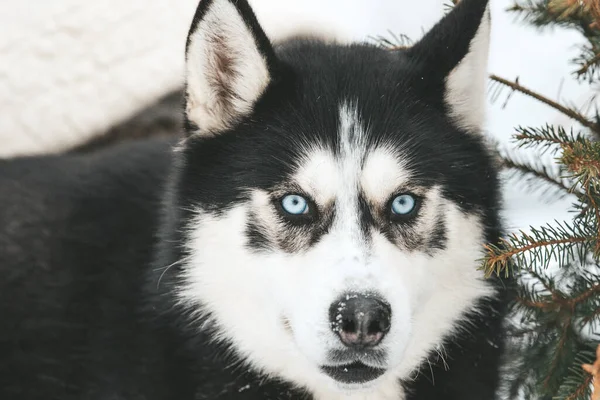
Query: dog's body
{"x": 316, "y": 236}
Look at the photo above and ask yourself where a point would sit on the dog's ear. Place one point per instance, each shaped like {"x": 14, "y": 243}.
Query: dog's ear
{"x": 455, "y": 53}
{"x": 229, "y": 64}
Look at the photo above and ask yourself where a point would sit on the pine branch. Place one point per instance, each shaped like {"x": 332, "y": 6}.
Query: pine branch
{"x": 539, "y": 247}
{"x": 546, "y": 136}
{"x": 588, "y": 64}
{"x": 394, "y": 42}
{"x": 594, "y": 206}
{"x": 591, "y": 317}
{"x": 594, "y": 290}
{"x": 582, "y": 158}
{"x": 577, "y": 386}
{"x": 532, "y": 172}
{"x": 580, "y": 14}
{"x": 582, "y": 390}
{"x": 557, "y": 300}
{"x": 546, "y": 300}
{"x": 560, "y": 348}
{"x": 545, "y": 281}
{"x": 557, "y": 310}
{"x": 573, "y": 114}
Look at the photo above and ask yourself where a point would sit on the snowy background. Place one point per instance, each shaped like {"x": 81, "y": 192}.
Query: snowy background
{"x": 69, "y": 69}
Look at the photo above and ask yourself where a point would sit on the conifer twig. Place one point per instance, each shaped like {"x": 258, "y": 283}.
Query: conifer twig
{"x": 539, "y": 173}
{"x": 560, "y": 347}
{"x": 588, "y": 64}
{"x": 559, "y": 107}
{"x": 497, "y": 259}
{"x": 586, "y": 295}
{"x": 589, "y": 318}
{"x": 581, "y": 389}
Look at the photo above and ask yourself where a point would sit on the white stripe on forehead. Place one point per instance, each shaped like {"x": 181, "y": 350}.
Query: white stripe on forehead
{"x": 328, "y": 176}
{"x": 352, "y": 139}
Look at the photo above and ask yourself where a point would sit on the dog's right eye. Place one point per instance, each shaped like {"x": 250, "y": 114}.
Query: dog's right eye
{"x": 403, "y": 207}
{"x": 403, "y": 204}
{"x": 294, "y": 204}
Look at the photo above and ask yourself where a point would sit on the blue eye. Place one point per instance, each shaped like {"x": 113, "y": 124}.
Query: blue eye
{"x": 403, "y": 204}
{"x": 294, "y": 204}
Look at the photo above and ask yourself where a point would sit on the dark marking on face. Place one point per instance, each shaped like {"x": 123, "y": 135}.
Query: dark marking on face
{"x": 404, "y": 236}
{"x": 289, "y": 234}
{"x": 438, "y": 237}
{"x": 366, "y": 219}
{"x": 257, "y": 235}
{"x": 292, "y": 234}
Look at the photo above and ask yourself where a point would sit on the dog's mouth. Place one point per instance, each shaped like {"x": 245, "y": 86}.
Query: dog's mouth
{"x": 355, "y": 372}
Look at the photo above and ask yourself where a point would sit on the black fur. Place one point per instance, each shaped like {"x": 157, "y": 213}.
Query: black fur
{"x": 89, "y": 242}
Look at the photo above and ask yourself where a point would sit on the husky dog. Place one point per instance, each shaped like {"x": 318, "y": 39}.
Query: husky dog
{"x": 316, "y": 235}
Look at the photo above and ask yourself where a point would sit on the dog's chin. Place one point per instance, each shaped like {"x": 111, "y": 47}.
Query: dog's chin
{"x": 353, "y": 376}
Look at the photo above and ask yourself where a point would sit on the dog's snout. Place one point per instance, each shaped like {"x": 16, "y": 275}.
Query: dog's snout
{"x": 360, "y": 320}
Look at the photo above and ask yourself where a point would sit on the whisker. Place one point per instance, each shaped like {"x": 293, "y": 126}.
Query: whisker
{"x": 440, "y": 351}
{"x": 431, "y": 369}
{"x": 165, "y": 269}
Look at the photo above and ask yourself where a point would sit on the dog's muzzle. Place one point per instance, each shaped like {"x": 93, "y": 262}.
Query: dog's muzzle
{"x": 360, "y": 321}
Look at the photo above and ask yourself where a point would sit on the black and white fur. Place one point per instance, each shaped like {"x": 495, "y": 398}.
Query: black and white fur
{"x": 137, "y": 272}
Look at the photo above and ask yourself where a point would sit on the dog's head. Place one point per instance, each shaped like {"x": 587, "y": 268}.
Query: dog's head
{"x": 335, "y": 198}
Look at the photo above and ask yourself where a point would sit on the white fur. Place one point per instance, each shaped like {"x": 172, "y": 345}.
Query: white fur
{"x": 273, "y": 307}
{"x": 206, "y": 107}
{"x": 318, "y": 176}
{"x": 352, "y": 153}
{"x": 383, "y": 174}
{"x": 466, "y": 84}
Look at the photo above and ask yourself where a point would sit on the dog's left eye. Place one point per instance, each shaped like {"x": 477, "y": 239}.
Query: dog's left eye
{"x": 403, "y": 204}
{"x": 294, "y": 204}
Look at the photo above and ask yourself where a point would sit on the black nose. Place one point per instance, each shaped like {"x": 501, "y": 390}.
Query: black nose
{"x": 360, "y": 320}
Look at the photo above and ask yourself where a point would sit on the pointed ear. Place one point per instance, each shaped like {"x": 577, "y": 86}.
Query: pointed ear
{"x": 455, "y": 52}
{"x": 229, "y": 64}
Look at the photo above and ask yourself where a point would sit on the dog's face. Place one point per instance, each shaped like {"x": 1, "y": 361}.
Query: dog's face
{"x": 337, "y": 197}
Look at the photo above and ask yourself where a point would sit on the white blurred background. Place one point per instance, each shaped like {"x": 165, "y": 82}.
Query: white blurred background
{"x": 71, "y": 68}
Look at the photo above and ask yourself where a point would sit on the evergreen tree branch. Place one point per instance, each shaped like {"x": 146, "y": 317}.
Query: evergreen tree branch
{"x": 538, "y": 247}
{"x": 582, "y": 390}
{"x": 579, "y": 14}
{"x": 548, "y": 287}
{"x": 577, "y": 385}
{"x": 556, "y": 311}
{"x": 542, "y": 305}
{"x": 560, "y": 348}
{"x": 537, "y": 173}
{"x": 531, "y": 172}
{"x": 545, "y": 136}
{"x": 588, "y": 64}
{"x": 573, "y": 114}
{"x": 591, "y": 317}
{"x": 498, "y": 260}
{"x": 582, "y": 158}
{"x": 586, "y": 295}
{"x": 394, "y": 41}
{"x": 597, "y": 214}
